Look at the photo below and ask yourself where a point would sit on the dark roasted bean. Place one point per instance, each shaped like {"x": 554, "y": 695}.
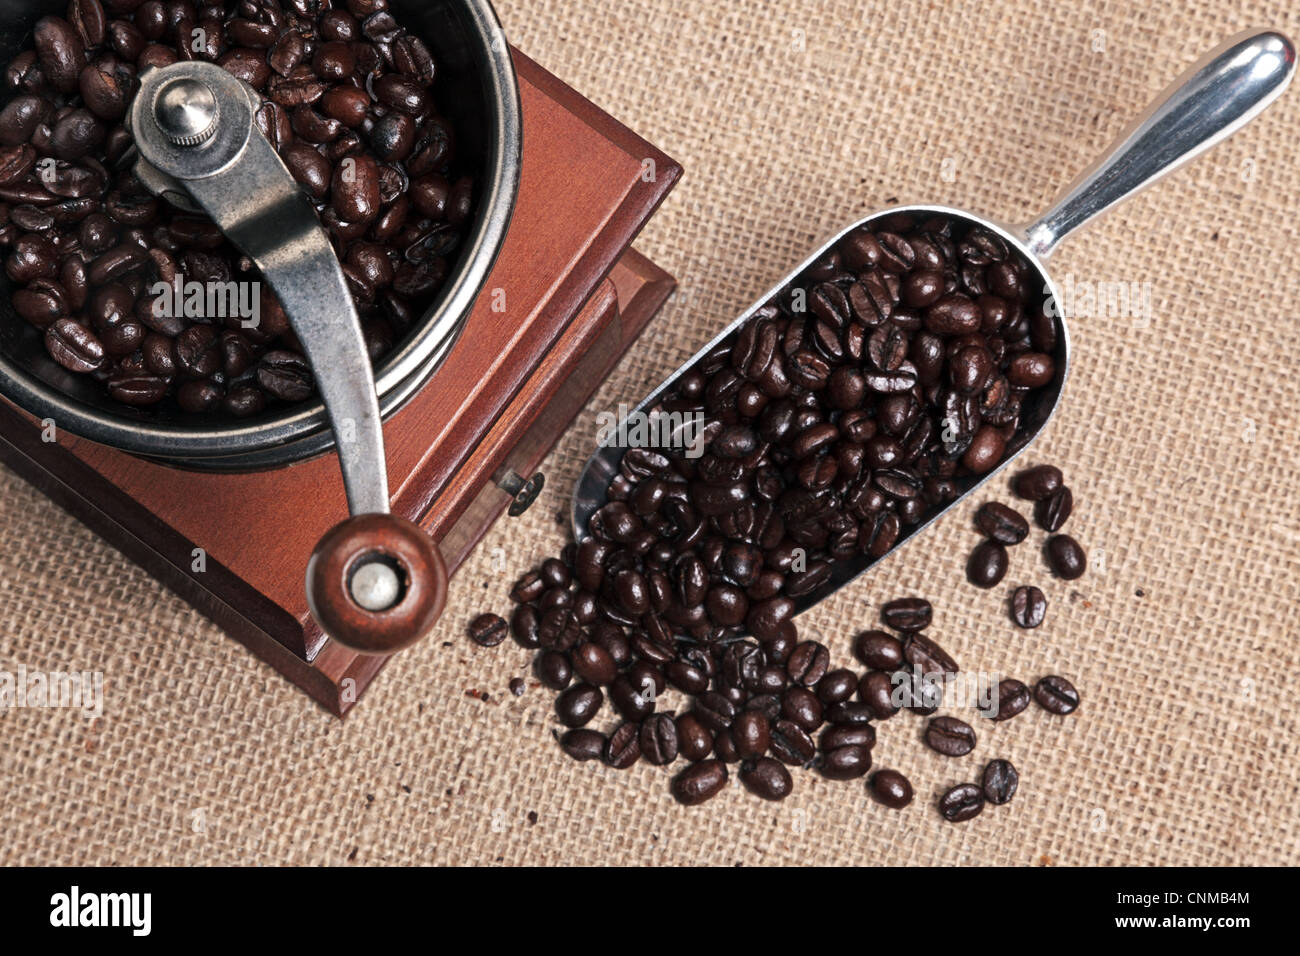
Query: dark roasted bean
{"x": 891, "y": 788}
{"x": 987, "y": 565}
{"x": 583, "y": 745}
{"x": 1028, "y": 606}
{"x": 1053, "y": 511}
{"x": 1065, "y": 557}
{"x": 1002, "y": 524}
{"x": 1000, "y": 782}
{"x": 699, "y": 782}
{"x": 1038, "y": 482}
{"x": 488, "y": 630}
{"x": 950, "y": 736}
{"x": 907, "y": 614}
{"x": 766, "y": 778}
{"x": 961, "y": 803}
{"x": 1056, "y": 694}
{"x": 1013, "y": 697}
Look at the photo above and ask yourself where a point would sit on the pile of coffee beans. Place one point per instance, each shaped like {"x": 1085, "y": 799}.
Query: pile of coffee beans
{"x": 855, "y": 404}
{"x": 349, "y": 107}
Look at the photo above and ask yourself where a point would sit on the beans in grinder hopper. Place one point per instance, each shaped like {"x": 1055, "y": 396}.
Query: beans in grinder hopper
{"x": 350, "y": 108}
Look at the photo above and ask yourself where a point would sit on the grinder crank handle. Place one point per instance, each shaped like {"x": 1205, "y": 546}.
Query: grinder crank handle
{"x": 375, "y": 582}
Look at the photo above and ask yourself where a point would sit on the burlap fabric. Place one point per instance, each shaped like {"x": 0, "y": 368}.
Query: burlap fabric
{"x": 1177, "y": 433}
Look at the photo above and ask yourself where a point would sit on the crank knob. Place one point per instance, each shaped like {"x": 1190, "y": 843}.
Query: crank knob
{"x": 376, "y": 583}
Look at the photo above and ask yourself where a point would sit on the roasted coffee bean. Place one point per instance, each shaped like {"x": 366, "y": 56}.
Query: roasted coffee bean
{"x": 907, "y": 614}
{"x": 1004, "y": 525}
{"x": 578, "y": 704}
{"x": 847, "y": 735}
{"x": 488, "y": 630}
{"x": 926, "y": 656}
{"x": 950, "y": 736}
{"x": 285, "y": 375}
{"x": 879, "y": 650}
{"x": 1038, "y": 482}
{"x": 594, "y": 664}
{"x": 766, "y": 778}
{"x": 583, "y": 745}
{"x": 876, "y": 690}
{"x": 807, "y": 663}
{"x": 961, "y": 803}
{"x": 845, "y": 763}
{"x": 987, "y": 565}
{"x": 624, "y": 746}
{"x": 1056, "y": 695}
{"x": 891, "y": 788}
{"x": 699, "y": 782}
{"x": 1013, "y": 697}
{"x": 694, "y": 740}
{"x": 1053, "y": 511}
{"x": 1028, "y": 606}
{"x": 1065, "y": 557}
{"x": 659, "y": 739}
{"x": 838, "y": 685}
{"x": 791, "y": 744}
{"x": 74, "y": 346}
{"x": 1000, "y": 782}
{"x": 553, "y": 669}
{"x": 751, "y": 734}
{"x": 715, "y": 711}
{"x": 800, "y": 705}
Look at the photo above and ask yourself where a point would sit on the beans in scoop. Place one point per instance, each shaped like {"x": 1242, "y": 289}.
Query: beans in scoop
{"x": 348, "y": 104}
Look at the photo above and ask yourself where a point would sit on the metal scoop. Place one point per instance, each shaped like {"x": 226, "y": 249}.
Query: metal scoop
{"x": 375, "y": 582}
{"x": 1211, "y": 101}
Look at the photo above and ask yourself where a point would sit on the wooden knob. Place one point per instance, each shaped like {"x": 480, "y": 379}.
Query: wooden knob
{"x": 376, "y": 583}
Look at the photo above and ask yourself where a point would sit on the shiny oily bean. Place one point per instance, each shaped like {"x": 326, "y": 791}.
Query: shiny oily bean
{"x": 578, "y": 704}
{"x": 767, "y": 778}
{"x": 987, "y": 565}
{"x": 488, "y": 630}
{"x": 624, "y": 746}
{"x": 694, "y": 740}
{"x": 962, "y": 802}
{"x": 1056, "y": 695}
{"x": 879, "y": 650}
{"x": 950, "y": 736}
{"x": 751, "y": 734}
{"x": 907, "y": 614}
{"x": 583, "y": 745}
{"x": 1028, "y": 606}
{"x": 1052, "y": 512}
{"x": 1038, "y": 482}
{"x": 1004, "y": 525}
{"x": 658, "y": 738}
{"x": 891, "y": 789}
{"x": 699, "y": 782}
{"x": 1013, "y": 697}
{"x": 807, "y": 663}
{"x": 845, "y": 763}
{"x": 1065, "y": 557}
{"x": 999, "y": 782}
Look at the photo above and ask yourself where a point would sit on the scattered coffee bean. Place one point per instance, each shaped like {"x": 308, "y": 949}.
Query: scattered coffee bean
{"x": 1065, "y": 557}
{"x": 584, "y": 744}
{"x": 950, "y": 736}
{"x": 907, "y": 614}
{"x": 1056, "y": 695}
{"x": 624, "y": 747}
{"x": 1028, "y": 606}
{"x": 1053, "y": 511}
{"x": 891, "y": 788}
{"x": 961, "y": 803}
{"x": 767, "y": 778}
{"x": 1004, "y": 525}
{"x": 578, "y": 705}
{"x": 1000, "y": 782}
{"x": 1013, "y": 697}
{"x": 699, "y": 782}
{"x": 1038, "y": 482}
{"x": 488, "y": 630}
{"x": 879, "y": 650}
{"x": 659, "y": 739}
{"x": 987, "y": 565}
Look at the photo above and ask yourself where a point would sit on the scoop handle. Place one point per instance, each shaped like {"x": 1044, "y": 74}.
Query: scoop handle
{"x": 1213, "y": 99}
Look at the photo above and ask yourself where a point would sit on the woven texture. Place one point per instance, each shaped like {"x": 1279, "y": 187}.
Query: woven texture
{"x": 792, "y": 119}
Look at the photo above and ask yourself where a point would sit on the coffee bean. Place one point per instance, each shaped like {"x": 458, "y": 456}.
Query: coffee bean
{"x": 1028, "y": 606}
{"x": 1000, "y": 782}
{"x": 1053, "y": 511}
{"x": 488, "y": 630}
{"x": 961, "y": 803}
{"x": 699, "y": 782}
{"x": 583, "y": 745}
{"x": 1013, "y": 697}
{"x": 751, "y": 734}
{"x": 1065, "y": 557}
{"x": 907, "y": 614}
{"x": 1056, "y": 695}
{"x": 1038, "y": 482}
{"x": 694, "y": 740}
{"x": 926, "y": 656}
{"x": 1004, "y": 525}
{"x": 950, "y": 736}
{"x": 553, "y": 669}
{"x": 837, "y": 685}
{"x": 791, "y": 744}
{"x": 807, "y": 663}
{"x": 578, "y": 705}
{"x": 766, "y": 778}
{"x": 624, "y": 746}
{"x": 891, "y": 788}
{"x": 879, "y": 650}
{"x": 876, "y": 690}
{"x": 285, "y": 375}
{"x": 845, "y": 763}
{"x": 987, "y": 565}
{"x": 659, "y": 739}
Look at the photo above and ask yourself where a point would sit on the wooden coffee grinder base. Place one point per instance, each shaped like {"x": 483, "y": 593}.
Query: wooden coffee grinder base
{"x": 576, "y": 296}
